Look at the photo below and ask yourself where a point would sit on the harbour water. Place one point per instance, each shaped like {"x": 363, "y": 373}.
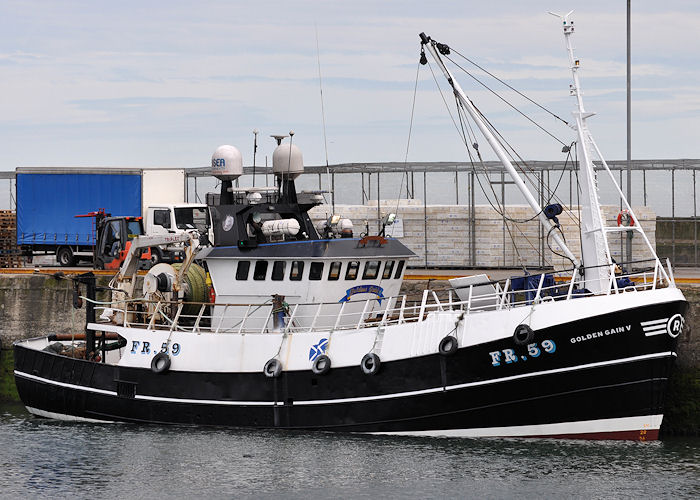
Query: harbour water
{"x": 48, "y": 459}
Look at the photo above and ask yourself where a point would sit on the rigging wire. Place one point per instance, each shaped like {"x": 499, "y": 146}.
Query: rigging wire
{"x": 445, "y": 101}
{"x": 578, "y": 197}
{"x": 509, "y": 86}
{"x": 508, "y": 103}
{"x": 408, "y": 142}
{"x": 519, "y": 162}
{"x": 551, "y": 194}
{"x": 550, "y": 246}
{"x": 467, "y": 133}
{"x": 463, "y": 134}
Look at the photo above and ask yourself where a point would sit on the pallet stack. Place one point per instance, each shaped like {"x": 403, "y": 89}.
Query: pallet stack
{"x": 9, "y": 251}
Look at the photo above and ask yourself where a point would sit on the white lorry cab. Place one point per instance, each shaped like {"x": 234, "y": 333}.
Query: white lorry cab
{"x": 176, "y": 219}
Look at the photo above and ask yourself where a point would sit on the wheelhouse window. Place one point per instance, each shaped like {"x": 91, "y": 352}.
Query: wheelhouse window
{"x": 388, "y": 268}
{"x": 260, "y": 270}
{"x": 316, "y": 271}
{"x": 371, "y": 270}
{"x": 242, "y": 270}
{"x": 297, "y": 270}
{"x": 334, "y": 271}
{"x": 399, "y": 269}
{"x": 278, "y": 270}
{"x": 351, "y": 272}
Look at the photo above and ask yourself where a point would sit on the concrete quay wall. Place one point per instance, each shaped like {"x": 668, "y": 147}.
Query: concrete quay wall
{"x": 449, "y": 233}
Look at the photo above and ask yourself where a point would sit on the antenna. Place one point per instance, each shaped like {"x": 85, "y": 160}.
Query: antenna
{"x": 323, "y": 118}
{"x": 563, "y": 17}
{"x": 278, "y": 138}
{"x": 255, "y": 150}
{"x": 289, "y": 157}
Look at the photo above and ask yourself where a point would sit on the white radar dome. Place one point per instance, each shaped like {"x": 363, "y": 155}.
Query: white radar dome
{"x": 287, "y": 161}
{"x": 227, "y": 163}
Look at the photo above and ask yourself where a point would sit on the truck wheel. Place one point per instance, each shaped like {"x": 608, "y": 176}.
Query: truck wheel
{"x": 65, "y": 257}
{"x": 156, "y": 256}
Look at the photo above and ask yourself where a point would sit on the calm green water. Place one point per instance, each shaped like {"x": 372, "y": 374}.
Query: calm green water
{"x": 47, "y": 459}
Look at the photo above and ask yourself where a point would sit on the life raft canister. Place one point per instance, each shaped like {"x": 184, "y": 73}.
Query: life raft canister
{"x": 624, "y": 218}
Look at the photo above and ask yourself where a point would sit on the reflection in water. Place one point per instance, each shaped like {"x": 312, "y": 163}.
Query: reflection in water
{"x": 48, "y": 458}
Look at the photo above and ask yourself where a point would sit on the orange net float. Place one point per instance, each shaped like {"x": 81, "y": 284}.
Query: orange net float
{"x": 624, "y": 218}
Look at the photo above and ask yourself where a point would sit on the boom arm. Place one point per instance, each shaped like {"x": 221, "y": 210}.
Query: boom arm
{"x": 125, "y": 279}
{"x": 431, "y": 46}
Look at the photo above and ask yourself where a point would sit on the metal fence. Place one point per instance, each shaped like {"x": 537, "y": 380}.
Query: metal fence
{"x": 668, "y": 187}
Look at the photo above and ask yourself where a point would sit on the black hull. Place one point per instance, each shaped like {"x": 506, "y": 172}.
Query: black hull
{"x": 618, "y": 376}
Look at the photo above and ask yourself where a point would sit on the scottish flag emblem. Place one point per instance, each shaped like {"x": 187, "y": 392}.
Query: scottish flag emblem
{"x": 318, "y": 349}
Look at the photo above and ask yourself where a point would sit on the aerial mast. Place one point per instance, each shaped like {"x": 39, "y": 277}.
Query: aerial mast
{"x": 594, "y": 241}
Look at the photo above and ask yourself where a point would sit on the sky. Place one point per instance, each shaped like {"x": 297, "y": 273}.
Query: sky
{"x": 163, "y": 83}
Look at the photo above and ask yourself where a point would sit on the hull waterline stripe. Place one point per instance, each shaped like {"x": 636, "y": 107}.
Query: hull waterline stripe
{"x": 148, "y": 398}
{"x": 63, "y": 384}
{"x": 488, "y": 382}
{"x": 356, "y": 399}
{"x": 65, "y": 417}
{"x": 602, "y": 426}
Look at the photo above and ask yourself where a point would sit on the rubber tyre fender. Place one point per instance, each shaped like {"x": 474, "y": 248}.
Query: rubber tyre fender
{"x": 321, "y": 365}
{"x": 523, "y": 335}
{"x": 448, "y": 345}
{"x": 273, "y": 368}
{"x": 160, "y": 363}
{"x": 370, "y": 363}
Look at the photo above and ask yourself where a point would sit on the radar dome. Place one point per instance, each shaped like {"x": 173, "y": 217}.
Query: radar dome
{"x": 287, "y": 161}
{"x": 227, "y": 163}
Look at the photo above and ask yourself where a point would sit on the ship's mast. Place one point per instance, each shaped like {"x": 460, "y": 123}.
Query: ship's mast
{"x": 594, "y": 242}
{"x": 433, "y": 47}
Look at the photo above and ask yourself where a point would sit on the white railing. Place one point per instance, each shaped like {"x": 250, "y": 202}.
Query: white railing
{"x": 353, "y": 315}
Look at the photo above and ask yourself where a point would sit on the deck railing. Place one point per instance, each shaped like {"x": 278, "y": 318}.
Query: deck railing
{"x": 379, "y": 312}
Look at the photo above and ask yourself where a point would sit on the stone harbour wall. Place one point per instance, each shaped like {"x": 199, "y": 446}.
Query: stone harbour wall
{"x": 35, "y": 305}
{"x": 449, "y": 233}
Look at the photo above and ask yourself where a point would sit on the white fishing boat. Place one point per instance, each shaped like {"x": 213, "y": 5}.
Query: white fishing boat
{"x": 308, "y": 330}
